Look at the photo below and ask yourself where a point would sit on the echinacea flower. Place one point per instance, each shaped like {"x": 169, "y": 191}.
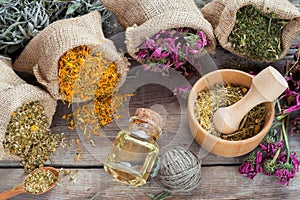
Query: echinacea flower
{"x": 285, "y": 174}
{"x": 270, "y": 148}
{"x": 277, "y": 157}
{"x": 288, "y": 170}
{"x": 269, "y": 167}
{"x": 250, "y": 166}
{"x": 172, "y": 48}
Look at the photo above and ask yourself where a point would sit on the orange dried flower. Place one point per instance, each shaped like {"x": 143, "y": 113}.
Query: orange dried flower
{"x": 86, "y": 75}
{"x": 69, "y": 66}
{"x": 104, "y": 106}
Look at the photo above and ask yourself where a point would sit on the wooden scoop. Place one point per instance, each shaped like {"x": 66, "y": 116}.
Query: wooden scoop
{"x": 20, "y": 189}
{"x": 266, "y": 87}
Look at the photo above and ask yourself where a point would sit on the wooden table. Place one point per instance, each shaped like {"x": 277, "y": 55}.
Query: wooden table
{"x": 220, "y": 178}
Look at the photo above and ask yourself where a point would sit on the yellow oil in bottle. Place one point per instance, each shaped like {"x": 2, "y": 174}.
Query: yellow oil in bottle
{"x": 134, "y": 151}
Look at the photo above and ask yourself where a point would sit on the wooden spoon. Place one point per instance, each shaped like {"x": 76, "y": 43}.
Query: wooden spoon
{"x": 20, "y": 189}
{"x": 268, "y": 85}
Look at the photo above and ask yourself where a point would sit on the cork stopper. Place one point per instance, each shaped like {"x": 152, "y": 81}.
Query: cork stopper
{"x": 151, "y": 115}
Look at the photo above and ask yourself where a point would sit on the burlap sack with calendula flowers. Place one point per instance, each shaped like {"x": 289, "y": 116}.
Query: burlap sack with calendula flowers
{"x": 222, "y": 15}
{"x": 144, "y": 18}
{"x": 14, "y": 92}
{"x": 40, "y": 57}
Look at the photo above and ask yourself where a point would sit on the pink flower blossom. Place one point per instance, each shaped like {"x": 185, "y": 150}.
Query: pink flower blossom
{"x": 270, "y": 148}
{"x": 203, "y": 42}
{"x": 295, "y": 162}
{"x": 295, "y": 107}
{"x": 250, "y": 167}
{"x": 247, "y": 169}
{"x": 284, "y": 175}
{"x": 286, "y": 170}
{"x": 182, "y": 91}
{"x": 171, "y": 48}
{"x": 268, "y": 167}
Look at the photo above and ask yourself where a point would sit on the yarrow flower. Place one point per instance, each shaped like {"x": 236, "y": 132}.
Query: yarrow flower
{"x": 172, "y": 48}
{"x": 274, "y": 152}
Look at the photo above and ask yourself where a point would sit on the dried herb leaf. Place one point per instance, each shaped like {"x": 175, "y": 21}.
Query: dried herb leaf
{"x": 256, "y": 35}
{"x": 28, "y": 136}
{"x": 21, "y": 20}
{"x": 209, "y": 101}
{"x": 40, "y": 181}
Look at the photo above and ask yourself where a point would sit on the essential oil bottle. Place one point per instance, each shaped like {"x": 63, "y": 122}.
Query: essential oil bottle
{"x": 135, "y": 150}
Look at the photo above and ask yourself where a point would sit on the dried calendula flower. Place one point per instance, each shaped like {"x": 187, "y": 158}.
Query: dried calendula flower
{"x": 209, "y": 101}
{"x": 84, "y": 74}
{"x": 86, "y": 119}
{"x": 69, "y": 66}
{"x": 104, "y": 106}
{"x": 39, "y": 181}
{"x": 28, "y": 136}
{"x": 89, "y": 76}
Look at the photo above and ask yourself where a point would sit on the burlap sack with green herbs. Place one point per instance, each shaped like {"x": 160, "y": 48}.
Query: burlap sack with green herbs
{"x": 14, "y": 92}
{"x": 40, "y": 57}
{"x": 144, "y": 18}
{"x": 222, "y": 15}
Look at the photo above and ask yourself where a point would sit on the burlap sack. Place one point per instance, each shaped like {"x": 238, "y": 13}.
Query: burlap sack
{"x": 222, "y": 15}
{"x": 14, "y": 92}
{"x": 144, "y": 18}
{"x": 40, "y": 57}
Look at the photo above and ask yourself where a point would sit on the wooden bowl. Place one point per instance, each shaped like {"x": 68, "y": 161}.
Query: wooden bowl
{"x": 215, "y": 144}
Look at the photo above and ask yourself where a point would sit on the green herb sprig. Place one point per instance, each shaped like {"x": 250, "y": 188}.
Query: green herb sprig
{"x": 21, "y": 20}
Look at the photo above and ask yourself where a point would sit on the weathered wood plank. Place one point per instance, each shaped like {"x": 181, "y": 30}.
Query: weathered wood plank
{"x": 175, "y": 132}
{"x": 216, "y": 183}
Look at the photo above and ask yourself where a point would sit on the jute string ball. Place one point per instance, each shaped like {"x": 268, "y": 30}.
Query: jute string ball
{"x": 180, "y": 170}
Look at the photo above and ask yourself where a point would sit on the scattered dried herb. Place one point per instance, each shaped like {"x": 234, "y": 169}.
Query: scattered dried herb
{"x": 39, "y": 181}
{"x": 79, "y": 150}
{"x": 256, "y": 35}
{"x": 87, "y": 120}
{"x": 209, "y": 101}
{"x": 160, "y": 196}
{"x": 29, "y": 137}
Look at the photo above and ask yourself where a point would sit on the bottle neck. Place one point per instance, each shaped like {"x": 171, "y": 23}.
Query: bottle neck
{"x": 144, "y": 128}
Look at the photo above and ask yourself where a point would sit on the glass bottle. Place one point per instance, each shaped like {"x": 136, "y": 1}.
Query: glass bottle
{"x": 135, "y": 150}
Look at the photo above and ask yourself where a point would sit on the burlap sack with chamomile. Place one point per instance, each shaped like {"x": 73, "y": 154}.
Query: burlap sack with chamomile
{"x": 14, "y": 92}
{"x": 143, "y": 19}
{"x": 41, "y": 56}
{"x": 222, "y": 16}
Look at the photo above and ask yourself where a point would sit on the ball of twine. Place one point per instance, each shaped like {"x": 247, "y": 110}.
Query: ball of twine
{"x": 180, "y": 170}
